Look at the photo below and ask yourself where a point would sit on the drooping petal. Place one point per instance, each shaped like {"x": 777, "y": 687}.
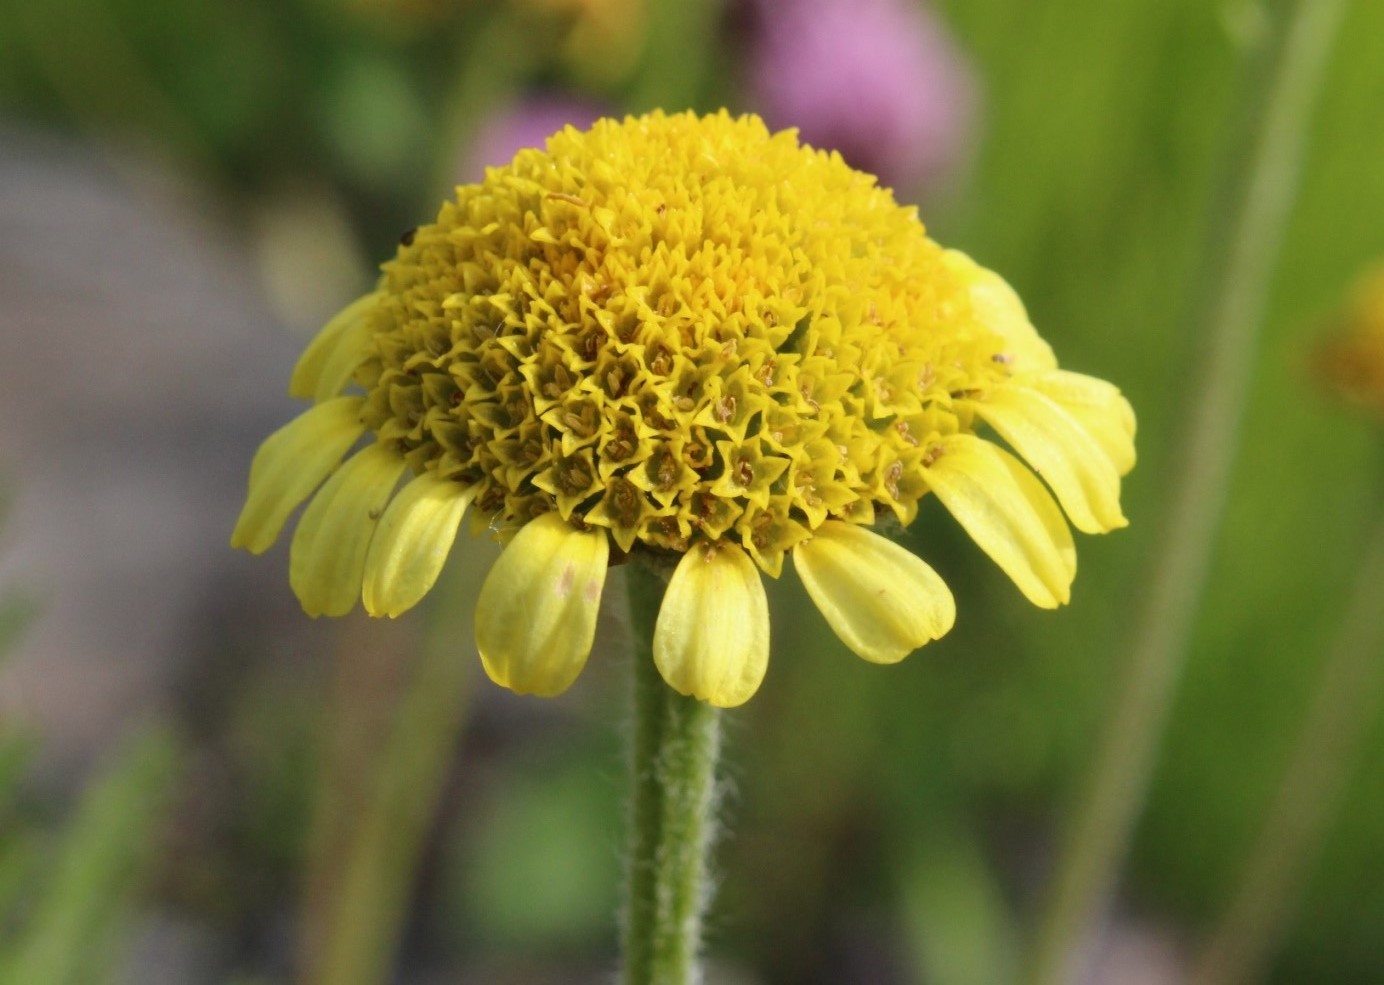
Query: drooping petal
{"x": 999, "y": 309}
{"x": 1099, "y": 406}
{"x": 412, "y": 542}
{"x": 536, "y": 615}
{"x": 308, "y": 371}
{"x": 881, "y": 599}
{"x": 1065, "y": 454}
{"x": 711, "y": 640}
{"x": 290, "y": 464}
{"x": 326, "y": 562}
{"x": 1009, "y": 515}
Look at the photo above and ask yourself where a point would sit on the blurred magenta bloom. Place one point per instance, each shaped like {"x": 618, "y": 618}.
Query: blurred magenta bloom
{"x": 880, "y": 81}
{"x": 527, "y": 123}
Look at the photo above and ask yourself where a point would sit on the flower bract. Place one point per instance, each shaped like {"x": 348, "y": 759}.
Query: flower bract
{"x": 691, "y": 342}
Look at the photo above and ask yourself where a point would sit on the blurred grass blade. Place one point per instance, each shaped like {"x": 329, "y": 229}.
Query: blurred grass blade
{"x": 1261, "y": 182}
{"x": 16, "y": 612}
{"x": 503, "y": 47}
{"x": 99, "y": 71}
{"x": 97, "y": 868}
{"x": 19, "y": 850}
{"x": 14, "y": 757}
{"x": 1310, "y": 792}
{"x": 958, "y": 925}
{"x": 678, "y": 48}
{"x": 363, "y": 876}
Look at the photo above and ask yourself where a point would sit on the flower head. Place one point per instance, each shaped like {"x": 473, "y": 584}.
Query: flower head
{"x": 691, "y": 340}
{"x": 1351, "y": 360}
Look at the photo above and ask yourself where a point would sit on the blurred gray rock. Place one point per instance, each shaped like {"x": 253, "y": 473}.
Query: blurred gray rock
{"x": 1137, "y": 951}
{"x": 139, "y": 369}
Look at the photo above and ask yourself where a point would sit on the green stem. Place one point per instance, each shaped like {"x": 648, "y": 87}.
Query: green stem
{"x": 84, "y": 53}
{"x": 84, "y": 893}
{"x": 1261, "y": 183}
{"x": 1346, "y": 700}
{"x": 676, "y": 63}
{"x": 672, "y": 824}
{"x": 501, "y": 46}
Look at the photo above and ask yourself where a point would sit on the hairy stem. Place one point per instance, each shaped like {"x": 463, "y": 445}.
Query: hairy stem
{"x": 676, "y": 741}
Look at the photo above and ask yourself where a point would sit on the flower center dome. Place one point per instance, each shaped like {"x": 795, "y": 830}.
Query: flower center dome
{"x": 679, "y": 329}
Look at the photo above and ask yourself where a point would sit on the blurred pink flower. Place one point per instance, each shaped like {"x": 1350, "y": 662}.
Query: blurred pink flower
{"x": 529, "y": 122}
{"x": 880, "y": 81}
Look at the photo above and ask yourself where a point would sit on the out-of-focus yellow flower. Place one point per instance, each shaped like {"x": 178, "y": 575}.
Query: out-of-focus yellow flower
{"x": 1351, "y": 360}
{"x": 690, "y": 340}
{"x": 602, "y": 39}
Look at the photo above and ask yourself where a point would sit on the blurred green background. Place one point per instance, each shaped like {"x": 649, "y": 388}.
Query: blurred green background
{"x": 197, "y": 784}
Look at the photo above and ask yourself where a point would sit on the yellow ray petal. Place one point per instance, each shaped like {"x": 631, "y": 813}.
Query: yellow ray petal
{"x": 307, "y": 372}
{"x": 326, "y": 562}
{"x": 999, "y": 309}
{"x": 348, "y": 352}
{"x": 711, "y": 640}
{"x": 412, "y": 542}
{"x": 536, "y": 615}
{"x": 290, "y": 464}
{"x": 881, "y": 599}
{"x": 1009, "y": 514}
{"x": 1076, "y": 466}
{"x": 1099, "y": 406}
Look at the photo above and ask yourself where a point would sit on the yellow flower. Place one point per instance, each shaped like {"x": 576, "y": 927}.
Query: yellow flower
{"x": 601, "y": 39}
{"x": 690, "y": 340}
{"x": 1351, "y": 361}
